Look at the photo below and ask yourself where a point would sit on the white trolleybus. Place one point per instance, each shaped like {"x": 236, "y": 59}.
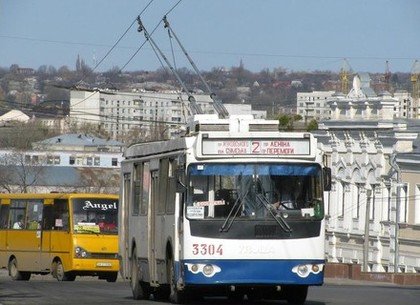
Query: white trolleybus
{"x": 235, "y": 208}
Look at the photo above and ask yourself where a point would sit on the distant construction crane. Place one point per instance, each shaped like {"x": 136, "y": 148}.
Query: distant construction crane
{"x": 415, "y": 94}
{"x": 345, "y": 74}
{"x": 415, "y": 80}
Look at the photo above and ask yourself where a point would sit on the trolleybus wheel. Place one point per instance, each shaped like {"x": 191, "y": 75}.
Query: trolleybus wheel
{"x": 111, "y": 277}
{"x": 296, "y": 294}
{"x": 15, "y": 274}
{"x": 61, "y": 275}
{"x": 139, "y": 290}
{"x": 176, "y": 296}
{"x": 235, "y": 296}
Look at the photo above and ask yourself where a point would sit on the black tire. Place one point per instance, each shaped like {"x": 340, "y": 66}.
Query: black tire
{"x": 111, "y": 277}
{"x": 175, "y": 296}
{"x": 235, "y": 296}
{"x": 296, "y": 294}
{"x": 14, "y": 272}
{"x": 61, "y": 275}
{"x": 139, "y": 290}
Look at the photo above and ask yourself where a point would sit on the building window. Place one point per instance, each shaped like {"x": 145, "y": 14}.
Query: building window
{"x": 53, "y": 160}
{"x": 404, "y": 203}
{"x": 71, "y": 160}
{"x": 343, "y": 200}
{"x": 89, "y": 161}
{"x": 96, "y": 161}
{"x": 114, "y": 162}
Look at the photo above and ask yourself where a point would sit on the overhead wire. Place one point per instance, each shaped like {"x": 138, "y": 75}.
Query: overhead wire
{"x": 338, "y": 58}
{"x": 119, "y": 39}
{"x": 150, "y": 34}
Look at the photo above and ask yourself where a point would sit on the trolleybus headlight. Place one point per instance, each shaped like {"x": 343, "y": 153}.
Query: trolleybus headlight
{"x": 302, "y": 270}
{"x": 80, "y": 252}
{"x": 194, "y": 268}
{"x": 208, "y": 270}
{"x": 305, "y": 270}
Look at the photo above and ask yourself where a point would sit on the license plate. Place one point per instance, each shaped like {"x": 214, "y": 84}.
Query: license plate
{"x": 103, "y": 264}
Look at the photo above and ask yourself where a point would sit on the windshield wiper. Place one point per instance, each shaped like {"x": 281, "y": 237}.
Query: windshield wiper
{"x": 236, "y": 207}
{"x": 280, "y": 219}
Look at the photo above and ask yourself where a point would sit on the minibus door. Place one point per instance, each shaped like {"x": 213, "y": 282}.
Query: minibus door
{"x": 47, "y": 225}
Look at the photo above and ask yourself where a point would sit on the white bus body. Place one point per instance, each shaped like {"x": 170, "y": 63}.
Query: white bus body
{"x": 199, "y": 213}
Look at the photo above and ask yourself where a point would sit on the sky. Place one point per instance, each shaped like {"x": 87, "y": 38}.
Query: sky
{"x": 296, "y": 35}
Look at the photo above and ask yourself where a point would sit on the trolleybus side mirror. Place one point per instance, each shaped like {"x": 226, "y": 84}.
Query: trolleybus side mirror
{"x": 327, "y": 179}
{"x": 180, "y": 186}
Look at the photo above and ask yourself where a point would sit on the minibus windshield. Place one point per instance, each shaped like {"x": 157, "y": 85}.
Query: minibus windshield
{"x": 95, "y": 216}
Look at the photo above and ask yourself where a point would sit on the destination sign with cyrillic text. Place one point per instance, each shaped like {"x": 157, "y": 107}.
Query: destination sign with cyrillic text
{"x": 274, "y": 147}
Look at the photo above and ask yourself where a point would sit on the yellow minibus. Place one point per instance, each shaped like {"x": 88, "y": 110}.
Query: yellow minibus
{"x": 65, "y": 234}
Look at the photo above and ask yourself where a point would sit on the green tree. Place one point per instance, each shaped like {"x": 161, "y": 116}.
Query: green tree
{"x": 287, "y": 121}
{"x": 312, "y": 125}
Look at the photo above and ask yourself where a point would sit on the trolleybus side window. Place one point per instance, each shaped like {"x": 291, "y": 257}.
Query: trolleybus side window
{"x": 138, "y": 169}
{"x": 144, "y": 203}
{"x": 4, "y": 215}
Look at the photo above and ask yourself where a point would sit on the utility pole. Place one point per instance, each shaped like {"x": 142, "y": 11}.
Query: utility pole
{"x": 397, "y": 220}
{"x": 366, "y": 239}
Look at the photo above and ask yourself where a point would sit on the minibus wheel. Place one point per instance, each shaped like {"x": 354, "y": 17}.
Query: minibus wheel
{"x": 14, "y": 272}
{"x": 111, "y": 277}
{"x": 61, "y": 275}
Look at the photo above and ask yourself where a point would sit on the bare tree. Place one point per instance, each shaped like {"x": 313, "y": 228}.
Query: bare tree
{"x": 100, "y": 180}
{"x": 18, "y": 173}
{"x": 22, "y": 135}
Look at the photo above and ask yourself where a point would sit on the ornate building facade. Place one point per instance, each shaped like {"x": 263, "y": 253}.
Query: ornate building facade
{"x": 373, "y": 214}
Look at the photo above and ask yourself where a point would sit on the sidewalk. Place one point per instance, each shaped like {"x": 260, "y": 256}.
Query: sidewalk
{"x": 349, "y": 282}
{"x": 348, "y": 273}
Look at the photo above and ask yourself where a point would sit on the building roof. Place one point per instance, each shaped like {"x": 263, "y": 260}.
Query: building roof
{"x": 77, "y": 139}
{"x": 14, "y": 115}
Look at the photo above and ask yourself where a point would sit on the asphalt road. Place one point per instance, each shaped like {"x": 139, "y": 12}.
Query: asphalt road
{"x": 44, "y": 290}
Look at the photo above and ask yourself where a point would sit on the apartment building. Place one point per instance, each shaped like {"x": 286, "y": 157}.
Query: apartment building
{"x": 119, "y": 112}
{"x": 313, "y": 105}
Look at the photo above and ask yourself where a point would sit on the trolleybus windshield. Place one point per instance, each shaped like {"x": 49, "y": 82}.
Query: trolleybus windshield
{"x": 95, "y": 215}
{"x": 290, "y": 190}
